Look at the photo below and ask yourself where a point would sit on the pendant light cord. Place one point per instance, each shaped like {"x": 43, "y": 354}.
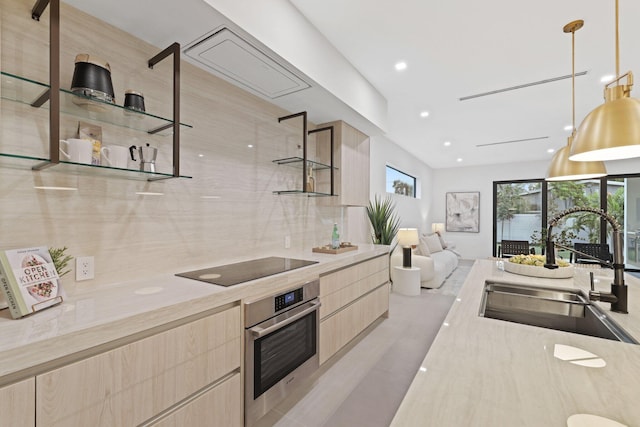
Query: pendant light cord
{"x": 573, "y": 82}
{"x": 617, "y": 43}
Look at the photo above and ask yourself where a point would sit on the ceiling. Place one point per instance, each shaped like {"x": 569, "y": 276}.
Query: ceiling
{"x": 455, "y": 49}
{"x": 458, "y": 48}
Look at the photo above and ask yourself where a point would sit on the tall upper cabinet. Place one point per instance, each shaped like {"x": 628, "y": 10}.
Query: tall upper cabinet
{"x": 351, "y": 155}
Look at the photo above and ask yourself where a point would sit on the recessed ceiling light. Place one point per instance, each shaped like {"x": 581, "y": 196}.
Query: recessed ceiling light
{"x": 424, "y": 114}
{"x": 209, "y": 197}
{"x": 200, "y": 155}
{"x": 250, "y": 146}
{"x": 447, "y": 143}
{"x": 568, "y": 127}
{"x": 607, "y": 78}
{"x": 401, "y": 66}
{"x": 550, "y": 150}
{"x": 459, "y": 159}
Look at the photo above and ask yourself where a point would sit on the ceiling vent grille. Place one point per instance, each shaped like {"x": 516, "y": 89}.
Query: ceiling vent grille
{"x": 522, "y": 86}
{"x": 226, "y": 54}
{"x": 513, "y": 141}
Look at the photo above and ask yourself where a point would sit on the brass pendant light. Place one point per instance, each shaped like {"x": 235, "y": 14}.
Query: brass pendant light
{"x": 612, "y": 130}
{"x": 561, "y": 168}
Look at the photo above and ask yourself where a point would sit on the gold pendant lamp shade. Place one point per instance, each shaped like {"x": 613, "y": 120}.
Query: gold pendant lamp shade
{"x": 612, "y": 130}
{"x": 561, "y": 168}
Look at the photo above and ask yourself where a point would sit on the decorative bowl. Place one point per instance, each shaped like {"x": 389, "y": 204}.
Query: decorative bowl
{"x": 538, "y": 271}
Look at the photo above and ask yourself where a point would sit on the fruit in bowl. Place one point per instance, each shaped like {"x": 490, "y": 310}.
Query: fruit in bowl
{"x": 535, "y": 260}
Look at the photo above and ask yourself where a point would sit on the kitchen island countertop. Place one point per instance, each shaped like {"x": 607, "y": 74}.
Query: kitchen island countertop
{"x": 488, "y": 372}
{"x": 96, "y": 315}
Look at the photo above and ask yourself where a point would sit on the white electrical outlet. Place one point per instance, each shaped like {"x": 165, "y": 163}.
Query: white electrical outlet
{"x": 85, "y": 268}
{"x": 287, "y": 242}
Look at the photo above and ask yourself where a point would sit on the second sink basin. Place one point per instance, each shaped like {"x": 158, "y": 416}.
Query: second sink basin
{"x": 566, "y": 310}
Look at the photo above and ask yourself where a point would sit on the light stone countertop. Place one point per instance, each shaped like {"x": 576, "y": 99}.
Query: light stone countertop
{"x": 488, "y": 372}
{"x": 97, "y": 315}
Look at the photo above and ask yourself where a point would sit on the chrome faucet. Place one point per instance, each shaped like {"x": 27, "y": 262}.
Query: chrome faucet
{"x": 618, "y": 295}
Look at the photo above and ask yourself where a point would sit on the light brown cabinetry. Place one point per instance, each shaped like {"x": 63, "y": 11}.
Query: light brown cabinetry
{"x": 351, "y": 157}
{"x": 352, "y": 298}
{"x": 133, "y": 383}
{"x": 17, "y": 404}
{"x": 218, "y": 406}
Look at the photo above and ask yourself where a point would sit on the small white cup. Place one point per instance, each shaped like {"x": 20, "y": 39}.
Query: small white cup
{"x": 115, "y": 156}
{"x": 77, "y": 150}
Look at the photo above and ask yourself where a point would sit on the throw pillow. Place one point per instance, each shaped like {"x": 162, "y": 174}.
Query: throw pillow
{"x": 442, "y": 242}
{"x": 433, "y": 243}
{"x": 424, "y": 248}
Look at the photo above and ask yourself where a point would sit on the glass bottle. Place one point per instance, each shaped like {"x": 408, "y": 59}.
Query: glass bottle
{"x": 335, "y": 237}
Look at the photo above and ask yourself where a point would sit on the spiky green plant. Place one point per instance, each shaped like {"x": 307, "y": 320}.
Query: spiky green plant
{"x": 60, "y": 260}
{"x": 384, "y": 221}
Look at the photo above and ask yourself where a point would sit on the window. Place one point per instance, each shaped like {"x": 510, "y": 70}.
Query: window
{"x": 518, "y": 207}
{"x": 522, "y": 210}
{"x": 399, "y": 182}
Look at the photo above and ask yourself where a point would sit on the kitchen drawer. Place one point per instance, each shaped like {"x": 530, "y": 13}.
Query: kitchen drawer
{"x": 219, "y": 406}
{"x": 338, "y": 299}
{"x": 132, "y": 383}
{"x": 17, "y": 404}
{"x": 333, "y": 282}
{"x": 340, "y": 328}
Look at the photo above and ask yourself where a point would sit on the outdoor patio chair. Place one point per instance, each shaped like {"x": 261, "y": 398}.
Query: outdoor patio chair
{"x": 509, "y": 248}
{"x": 597, "y": 250}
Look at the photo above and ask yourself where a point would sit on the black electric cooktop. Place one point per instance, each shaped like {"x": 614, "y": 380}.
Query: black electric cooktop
{"x": 233, "y": 274}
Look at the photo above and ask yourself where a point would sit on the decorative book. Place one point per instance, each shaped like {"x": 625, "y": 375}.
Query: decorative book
{"x": 29, "y": 280}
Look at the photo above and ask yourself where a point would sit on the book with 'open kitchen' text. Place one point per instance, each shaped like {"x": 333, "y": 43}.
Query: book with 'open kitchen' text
{"x": 29, "y": 280}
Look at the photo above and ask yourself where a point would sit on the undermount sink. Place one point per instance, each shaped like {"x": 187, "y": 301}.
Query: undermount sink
{"x": 566, "y": 310}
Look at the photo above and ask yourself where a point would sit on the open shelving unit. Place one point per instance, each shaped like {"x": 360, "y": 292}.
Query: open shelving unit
{"x": 303, "y": 163}
{"x": 34, "y": 93}
{"x": 59, "y": 101}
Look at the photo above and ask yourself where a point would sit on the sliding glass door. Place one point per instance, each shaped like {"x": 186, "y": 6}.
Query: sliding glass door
{"x": 624, "y": 204}
{"x": 518, "y": 210}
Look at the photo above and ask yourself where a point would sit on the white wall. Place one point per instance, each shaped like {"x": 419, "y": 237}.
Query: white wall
{"x": 412, "y": 212}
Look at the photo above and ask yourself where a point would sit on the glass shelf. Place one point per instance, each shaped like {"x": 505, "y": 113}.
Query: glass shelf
{"x": 27, "y": 91}
{"x": 296, "y": 162}
{"x": 7, "y": 160}
{"x": 299, "y": 192}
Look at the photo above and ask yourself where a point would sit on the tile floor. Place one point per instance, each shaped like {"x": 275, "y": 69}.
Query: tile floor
{"x": 366, "y": 381}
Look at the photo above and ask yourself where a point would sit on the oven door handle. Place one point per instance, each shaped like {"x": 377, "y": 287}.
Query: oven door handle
{"x": 258, "y": 332}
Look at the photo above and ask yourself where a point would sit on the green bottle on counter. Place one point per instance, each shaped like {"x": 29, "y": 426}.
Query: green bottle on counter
{"x": 335, "y": 237}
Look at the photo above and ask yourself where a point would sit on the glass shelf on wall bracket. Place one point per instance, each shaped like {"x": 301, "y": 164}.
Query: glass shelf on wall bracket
{"x": 297, "y": 162}
{"x": 300, "y": 193}
{"x": 21, "y": 89}
{"x": 38, "y": 163}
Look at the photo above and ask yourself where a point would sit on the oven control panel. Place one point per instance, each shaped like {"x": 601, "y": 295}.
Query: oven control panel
{"x": 260, "y": 310}
{"x": 288, "y": 299}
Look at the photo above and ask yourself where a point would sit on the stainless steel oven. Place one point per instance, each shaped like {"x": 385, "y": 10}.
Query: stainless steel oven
{"x": 281, "y": 346}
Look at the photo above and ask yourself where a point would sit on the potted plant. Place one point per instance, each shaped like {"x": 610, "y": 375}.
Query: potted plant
{"x": 384, "y": 221}
{"x": 60, "y": 260}
{"x": 564, "y": 238}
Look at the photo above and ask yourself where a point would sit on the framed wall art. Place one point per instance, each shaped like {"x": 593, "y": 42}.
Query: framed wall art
{"x": 463, "y": 212}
